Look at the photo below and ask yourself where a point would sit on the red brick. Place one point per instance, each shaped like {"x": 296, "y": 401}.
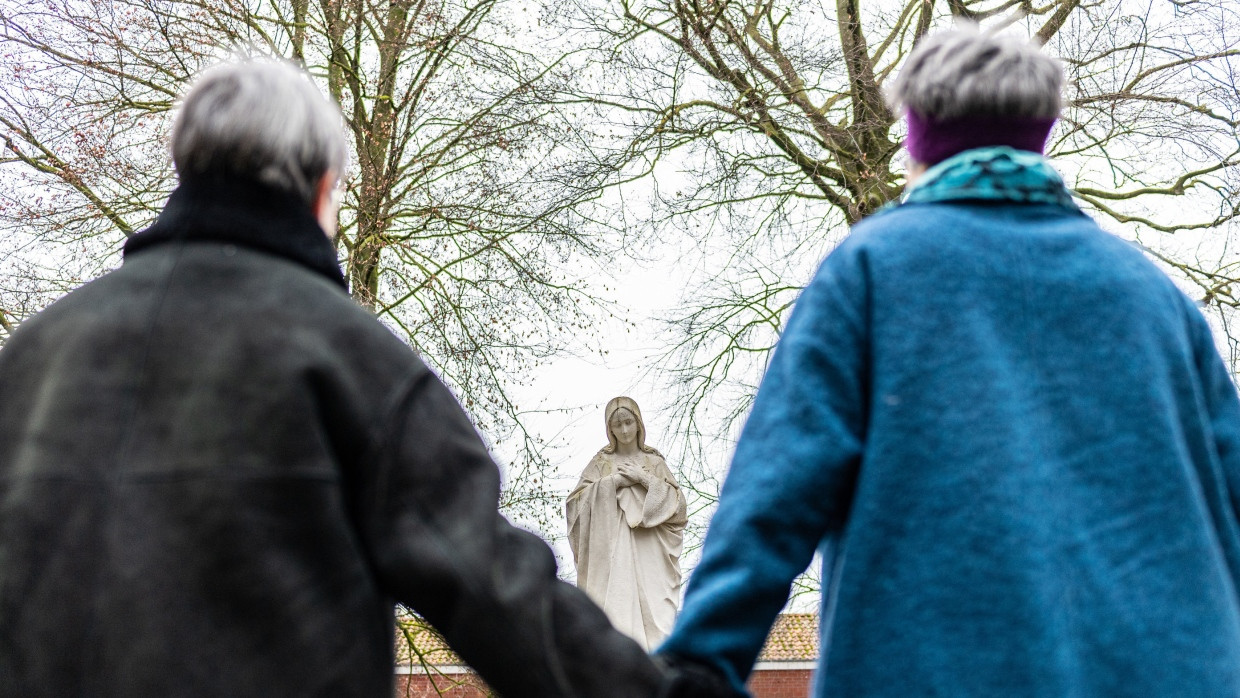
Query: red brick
{"x": 780, "y": 683}
{"x": 449, "y": 686}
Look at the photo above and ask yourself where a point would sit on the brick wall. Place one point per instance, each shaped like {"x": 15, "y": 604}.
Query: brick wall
{"x": 780, "y": 683}
{"x": 764, "y": 683}
{"x": 419, "y": 685}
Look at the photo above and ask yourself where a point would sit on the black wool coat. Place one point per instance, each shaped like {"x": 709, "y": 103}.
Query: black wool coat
{"x": 218, "y": 474}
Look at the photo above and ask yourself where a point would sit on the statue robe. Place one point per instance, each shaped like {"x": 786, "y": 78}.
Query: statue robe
{"x": 626, "y": 542}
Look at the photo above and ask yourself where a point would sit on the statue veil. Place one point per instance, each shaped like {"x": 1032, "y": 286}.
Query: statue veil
{"x": 629, "y": 404}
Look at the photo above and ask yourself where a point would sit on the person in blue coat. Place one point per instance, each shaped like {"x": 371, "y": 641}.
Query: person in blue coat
{"x": 1009, "y": 435}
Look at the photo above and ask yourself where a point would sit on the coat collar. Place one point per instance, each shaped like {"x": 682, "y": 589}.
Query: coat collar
{"x": 992, "y": 174}
{"x": 244, "y": 213}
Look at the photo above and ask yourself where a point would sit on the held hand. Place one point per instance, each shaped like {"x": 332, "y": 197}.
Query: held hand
{"x": 684, "y": 678}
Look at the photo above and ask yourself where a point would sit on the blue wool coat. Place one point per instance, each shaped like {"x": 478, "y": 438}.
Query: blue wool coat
{"x": 1017, "y": 448}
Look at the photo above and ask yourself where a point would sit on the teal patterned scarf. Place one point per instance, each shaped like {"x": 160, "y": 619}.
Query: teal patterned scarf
{"x": 992, "y": 174}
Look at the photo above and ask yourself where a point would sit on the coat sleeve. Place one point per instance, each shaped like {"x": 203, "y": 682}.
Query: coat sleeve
{"x": 791, "y": 478}
{"x": 1223, "y": 408}
{"x": 440, "y": 546}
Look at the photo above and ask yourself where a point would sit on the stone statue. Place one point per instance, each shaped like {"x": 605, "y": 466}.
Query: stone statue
{"x": 626, "y": 519}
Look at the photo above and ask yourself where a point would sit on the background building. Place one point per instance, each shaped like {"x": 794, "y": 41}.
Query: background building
{"x": 426, "y": 668}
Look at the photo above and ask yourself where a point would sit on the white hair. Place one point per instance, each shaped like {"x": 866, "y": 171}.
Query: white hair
{"x": 965, "y": 72}
{"x": 261, "y": 119}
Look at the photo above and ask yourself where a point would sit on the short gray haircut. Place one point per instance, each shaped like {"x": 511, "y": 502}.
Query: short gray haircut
{"x": 261, "y": 119}
{"x": 966, "y": 72}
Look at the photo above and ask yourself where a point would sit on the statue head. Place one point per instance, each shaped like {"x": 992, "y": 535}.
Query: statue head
{"x": 616, "y": 405}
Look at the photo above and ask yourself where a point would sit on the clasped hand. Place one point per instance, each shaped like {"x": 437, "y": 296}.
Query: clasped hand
{"x": 631, "y": 474}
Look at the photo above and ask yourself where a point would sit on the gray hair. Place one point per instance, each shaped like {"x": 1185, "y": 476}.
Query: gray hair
{"x": 262, "y": 119}
{"x": 965, "y": 72}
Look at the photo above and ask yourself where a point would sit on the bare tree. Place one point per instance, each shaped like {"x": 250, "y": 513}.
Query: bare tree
{"x": 761, "y": 130}
{"x": 759, "y": 126}
{"x": 768, "y": 117}
{"x": 457, "y": 227}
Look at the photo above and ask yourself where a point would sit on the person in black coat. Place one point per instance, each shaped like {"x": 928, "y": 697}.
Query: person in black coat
{"x": 218, "y": 473}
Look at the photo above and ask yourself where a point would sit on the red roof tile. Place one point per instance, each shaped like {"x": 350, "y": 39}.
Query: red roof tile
{"x": 793, "y": 638}
{"x": 418, "y": 643}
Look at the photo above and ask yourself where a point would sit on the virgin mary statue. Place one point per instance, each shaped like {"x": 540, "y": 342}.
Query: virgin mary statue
{"x": 626, "y": 519}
